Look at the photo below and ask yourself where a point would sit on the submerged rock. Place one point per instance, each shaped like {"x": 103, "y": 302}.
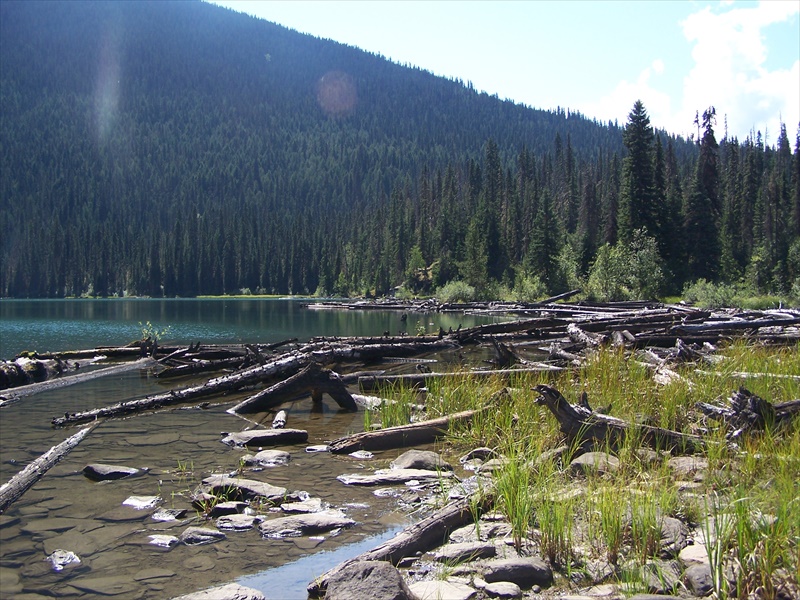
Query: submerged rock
{"x": 266, "y": 437}
{"x": 389, "y": 476}
{"x": 102, "y": 472}
{"x": 195, "y": 536}
{"x": 237, "y": 522}
{"x": 267, "y": 458}
{"x": 368, "y": 579}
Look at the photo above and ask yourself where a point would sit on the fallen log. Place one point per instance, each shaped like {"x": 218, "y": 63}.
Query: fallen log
{"x": 749, "y": 412}
{"x": 422, "y": 432}
{"x": 286, "y": 364}
{"x": 418, "y": 538}
{"x": 12, "y": 395}
{"x": 312, "y": 379}
{"x": 22, "y": 481}
{"x": 579, "y": 423}
{"x": 200, "y": 366}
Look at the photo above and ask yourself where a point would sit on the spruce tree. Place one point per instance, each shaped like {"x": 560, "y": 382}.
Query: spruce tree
{"x": 637, "y": 196}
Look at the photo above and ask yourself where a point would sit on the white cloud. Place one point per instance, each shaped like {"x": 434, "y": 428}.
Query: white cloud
{"x": 730, "y": 72}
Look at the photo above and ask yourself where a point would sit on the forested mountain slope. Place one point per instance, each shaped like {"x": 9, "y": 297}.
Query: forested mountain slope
{"x": 178, "y": 148}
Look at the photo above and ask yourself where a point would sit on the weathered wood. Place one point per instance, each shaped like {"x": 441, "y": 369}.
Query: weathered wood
{"x": 429, "y": 533}
{"x": 401, "y": 436}
{"x": 311, "y": 380}
{"x": 12, "y": 395}
{"x": 287, "y": 364}
{"x": 200, "y": 366}
{"x": 748, "y": 412}
{"x": 11, "y": 491}
{"x": 578, "y": 422}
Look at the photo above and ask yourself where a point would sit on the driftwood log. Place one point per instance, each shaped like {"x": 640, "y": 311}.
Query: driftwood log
{"x": 22, "y": 481}
{"x": 420, "y": 537}
{"x": 749, "y": 412}
{"x": 422, "y": 432}
{"x": 583, "y": 425}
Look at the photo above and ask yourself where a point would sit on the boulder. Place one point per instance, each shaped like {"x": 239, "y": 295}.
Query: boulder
{"x": 525, "y": 572}
{"x": 266, "y": 437}
{"x": 674, "y": 537}
{"x": 426, "y": 460}
{"x": 436, "y": 590}
{"x": 102, "y": 472}
{"x": 368, "y": 579}
{"x": 302, "y": 524}
{"x": 594, "y": 462}
{"x": 697, "y": 579}
{"x": 230, "y": 591}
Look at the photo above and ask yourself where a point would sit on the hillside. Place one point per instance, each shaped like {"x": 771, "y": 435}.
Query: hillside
{"x": 159, "y": 148}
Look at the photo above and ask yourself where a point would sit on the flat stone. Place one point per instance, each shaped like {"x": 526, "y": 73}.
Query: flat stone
{"x": 306, "y": 506}
{"x": 525, "y": 572}
{"x": 200, "y": 562}
{"x": 55, "y": 524}
{"x": 439, "y": 590}
{"x": 464, "y": 552}
{"x": 103, "y": 472}
{"x": 426, "y": 460}
{"x": 141, "y": 502}
{"x": 195, "y": 536}
{"x": 687, "y": 465}
{"x": 594, "y": 462}
{"x": 237, "y": 522}
{"x": 696, "y": 554}
{"x": 229, "y": 507}
{"x": 268, "y": 458}
{"x": 266, "y": 437}
{"x": 302, "y": 524}
{"x": 368, "y": 579}
{"x": 484, "y": 531}
{"x": 245, "y": 488}
{"x": 393, "y": 476}
{"x": 230, "y": 591}
{"x": 503, "y": 589}
{"x": 169, "y": 514}
{"x": 163, "y": 541}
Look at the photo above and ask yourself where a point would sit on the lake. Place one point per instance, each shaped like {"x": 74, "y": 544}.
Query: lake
{"x": 176, "y": 449}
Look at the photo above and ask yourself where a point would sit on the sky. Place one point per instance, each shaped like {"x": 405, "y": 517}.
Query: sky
{"x": 597, "y": 57}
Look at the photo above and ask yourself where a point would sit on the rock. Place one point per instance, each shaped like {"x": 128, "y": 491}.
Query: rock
{"x": 169, "y": 514}
{"x": 101, "y": 472}
{"x": 420, "y": 459}
{"x": 141, "y": 502}
{"x": 297, "y": 525}
{"x": 237, "y": 522}
{"x": 696, "y": 554}
{"x": 436, "y": 590}
{"x": 525, "y": 572}
{"x": 483, "y": 532}
{"x": 368, "y": 579}
{"x": 60, "y": 559}
{"x": 687, "y": 465}
{"x": 266, "y": 437}
{"x": 151, "y": 574}
{"x": 306, "y": 506}
{"x": 317, "y": 448}
{"x": 164, "y": 541}
{"x": 653, "y": 597}
{"x": 464, "y": 552}
{"x": 195, "y": 536}
{"x": 492, "y": 465}
{"x": 674, "y": 537}
{"x": 230, "y": 591}
{"x": 697, "y": 579}
{"x": 390, "y": 476}
{"x": 267, "y": 458}
{"x": 362, "y": 455}
{"x": 661, "y": 577}
{"x": 105, "y": 586}
{"x": 555, "y": 455}
{"x": 503, "y": 589}
{"x": 478, "y": 454}
{"x": 238, "y": 487}
{"x": 594, "y": 462}
{"x": 229, "y": 507}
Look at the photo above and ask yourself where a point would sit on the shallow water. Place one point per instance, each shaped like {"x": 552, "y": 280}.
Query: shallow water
{"x": 179, "y": 447}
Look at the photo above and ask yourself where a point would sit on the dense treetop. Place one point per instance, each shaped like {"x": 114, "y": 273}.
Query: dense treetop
{"x": 160, "y": 148}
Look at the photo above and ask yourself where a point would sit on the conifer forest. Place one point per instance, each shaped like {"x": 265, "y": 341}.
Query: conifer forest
{"x": 180, "y": 149}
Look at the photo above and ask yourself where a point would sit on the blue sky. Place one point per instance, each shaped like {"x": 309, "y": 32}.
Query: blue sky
{"x": 596, "y": 57}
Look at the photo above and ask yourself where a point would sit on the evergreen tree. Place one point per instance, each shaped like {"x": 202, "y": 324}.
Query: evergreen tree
{"x": 637, "y": 195}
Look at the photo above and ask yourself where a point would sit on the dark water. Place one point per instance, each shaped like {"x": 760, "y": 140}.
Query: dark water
{"x": 178, "y": 448}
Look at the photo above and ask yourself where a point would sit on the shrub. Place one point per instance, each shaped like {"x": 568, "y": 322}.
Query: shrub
{"x": 455, "y": 291}
{"x": 529, "y": 288}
